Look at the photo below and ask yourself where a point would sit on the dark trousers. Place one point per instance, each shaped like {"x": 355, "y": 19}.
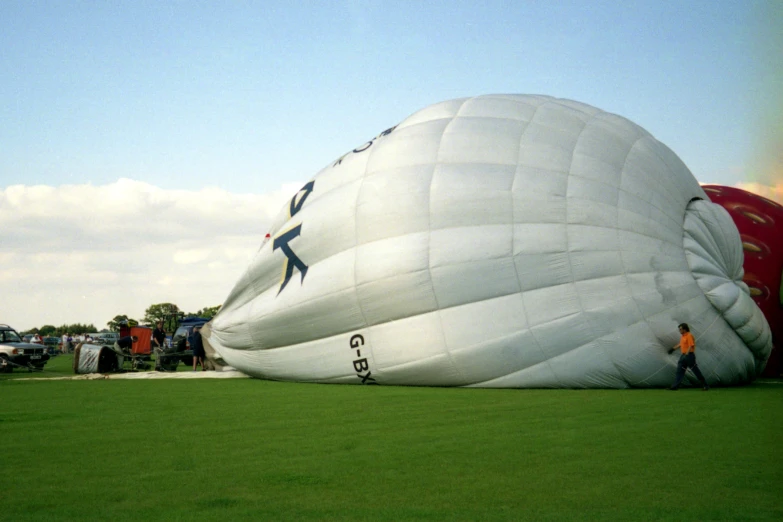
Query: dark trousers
{"x": 688, "y": 360}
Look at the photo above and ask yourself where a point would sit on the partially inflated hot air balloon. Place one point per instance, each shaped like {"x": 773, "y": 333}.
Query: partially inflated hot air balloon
{"x": 760, "y": 224}
{"x": 497, "y": 241}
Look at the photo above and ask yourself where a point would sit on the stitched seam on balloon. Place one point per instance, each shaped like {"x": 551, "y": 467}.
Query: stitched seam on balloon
{"x": 737, "y": 303}
{"x": 622, "y": 171}
{"x": 513, "y": 223}
{"x": 704, "y": 236}
{"x": 429, "y": 244}
{"x": 676, "y": 196}
{"x": 651, "y": 205}
{"x": 731, "y": 268}
{"x": 472, "y": 301}
{"x": 402, "y": 317}
{"x": 622, "y": 260}
{"x": 666, "y": 367}
{"x": 542, "y": 364}
{"x": 659, "y": 238}
{"x": 568, "y": 222}
{"x": 624, "y": 230}
{"x": 356, "y": 246}
{"x": 418, "y": 361}
{"x": 754, "y": 340}
{"x": 548, "y": 361}
{"x": 511, "y": 193}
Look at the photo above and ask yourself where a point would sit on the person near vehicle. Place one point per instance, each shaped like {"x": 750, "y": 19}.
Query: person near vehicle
{"x": 158, "y": 339}
{"x": 124, "y": 344}
{"x": 687, "y": 346}
{"x": 158, "y": 336}
{"x": 36, "y": 339}
{"x": 197, "y": 345}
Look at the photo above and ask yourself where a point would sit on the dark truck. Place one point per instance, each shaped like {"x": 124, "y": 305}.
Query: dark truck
{"x": 15, "y": 353}
{"x": 179, "y": 350}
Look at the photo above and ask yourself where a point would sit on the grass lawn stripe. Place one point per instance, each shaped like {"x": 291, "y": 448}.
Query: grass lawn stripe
{"x": 258, "y": 450}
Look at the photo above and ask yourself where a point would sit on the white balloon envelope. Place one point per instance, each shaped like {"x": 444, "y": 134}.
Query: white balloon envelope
{"x": 498, "y": 241}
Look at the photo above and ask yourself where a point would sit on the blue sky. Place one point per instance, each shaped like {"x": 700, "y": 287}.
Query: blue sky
{"x": 250, "y": 95}
{"x": 146, "y": 145}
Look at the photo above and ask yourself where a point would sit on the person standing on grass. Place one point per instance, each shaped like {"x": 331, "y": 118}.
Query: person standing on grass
{"x": 158, "y": 339}
{"x": 197, "y": 345}
{"x": 687, "y": 360}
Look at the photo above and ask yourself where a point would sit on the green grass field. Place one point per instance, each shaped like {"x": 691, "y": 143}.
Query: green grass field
{"x": 244, "y": 449}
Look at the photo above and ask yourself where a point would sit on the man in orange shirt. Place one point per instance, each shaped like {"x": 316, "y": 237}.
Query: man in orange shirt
{"x": 687, "y": 358}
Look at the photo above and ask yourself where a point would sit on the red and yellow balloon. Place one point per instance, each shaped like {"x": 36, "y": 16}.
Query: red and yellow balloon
{"x": 760, "y": 224}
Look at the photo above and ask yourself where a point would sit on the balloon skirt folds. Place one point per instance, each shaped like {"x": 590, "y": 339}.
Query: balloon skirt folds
{"x": 508, "y": 241}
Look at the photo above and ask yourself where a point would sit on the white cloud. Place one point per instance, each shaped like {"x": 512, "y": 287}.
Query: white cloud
{"x": 773, "y": 192}
{"x": 84, "y": 253}
{"x": 191, "y": 255}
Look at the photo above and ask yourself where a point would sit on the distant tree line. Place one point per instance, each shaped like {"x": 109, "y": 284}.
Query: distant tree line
{"x": 169, "y": 313}
{"x": 49, "y": 330}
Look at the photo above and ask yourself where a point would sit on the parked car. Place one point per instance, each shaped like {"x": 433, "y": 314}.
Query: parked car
{"x": 52, "y": 344}
{"x": 15, "y": 353}
{"x": 179, "y": 349}
{"x": 105, "y": 338}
